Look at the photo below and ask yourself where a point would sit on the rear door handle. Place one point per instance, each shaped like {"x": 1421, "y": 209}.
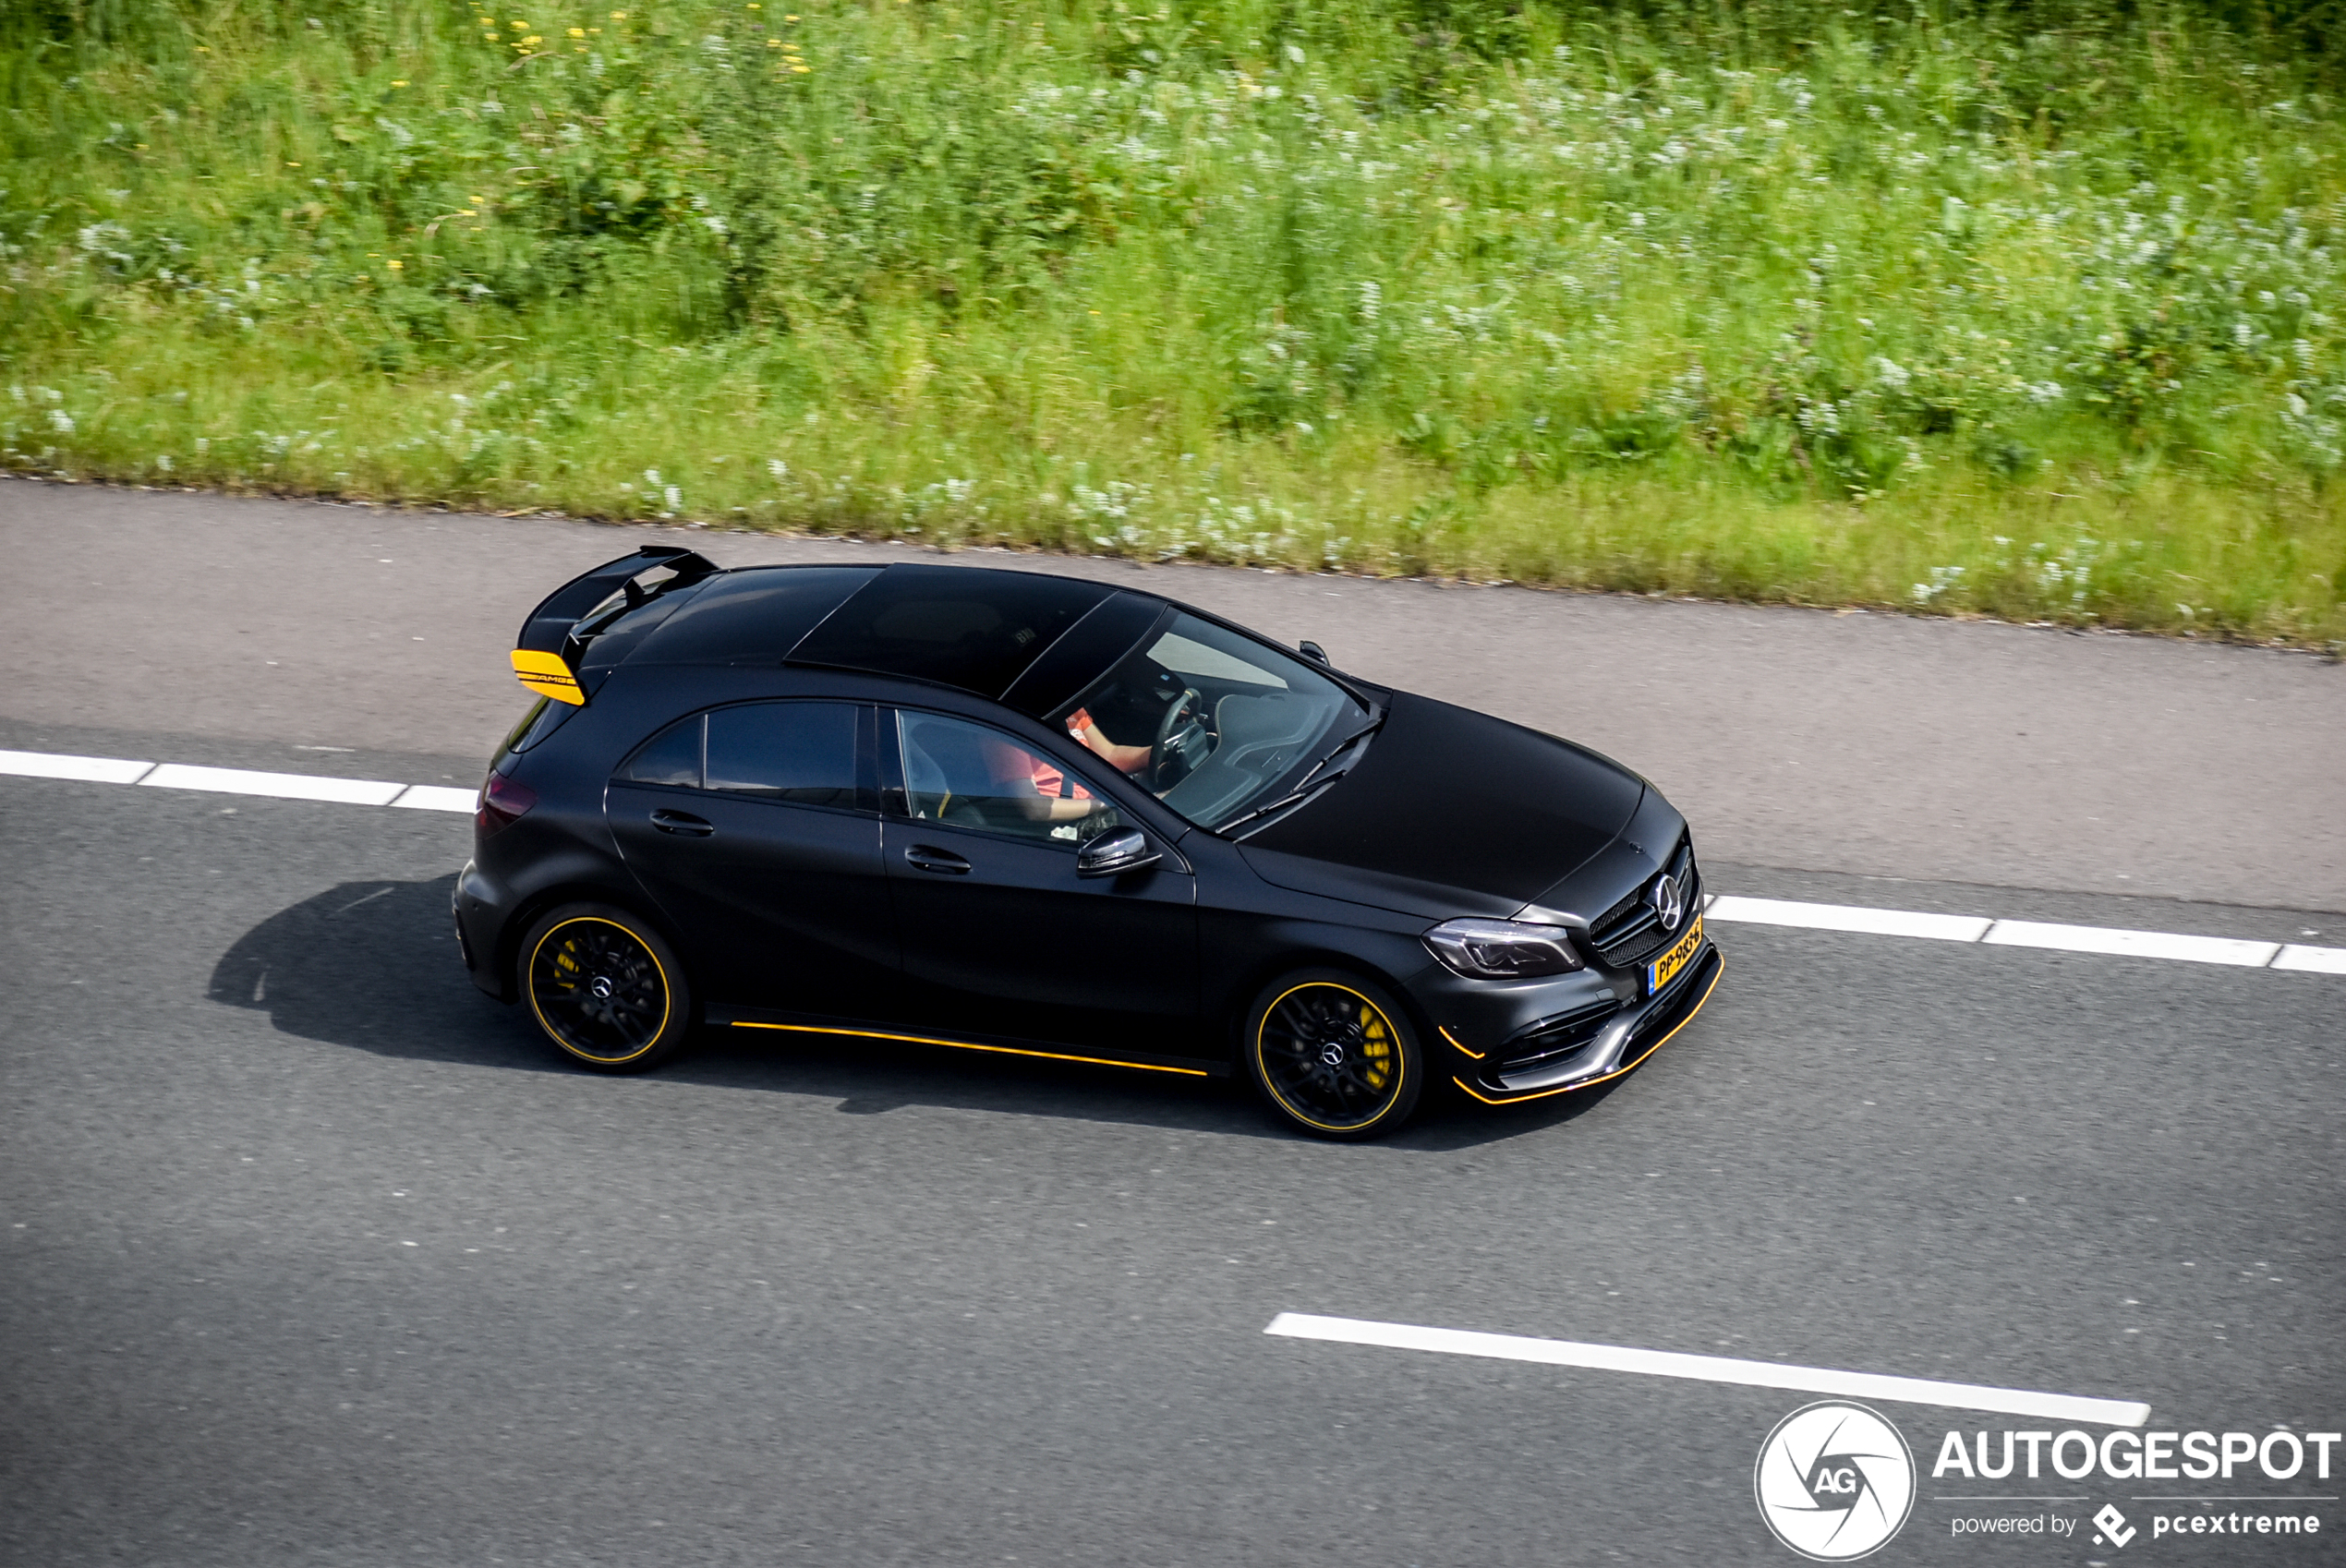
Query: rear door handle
{"x": 945, "y": 863}
{"x": 683, "y": 822}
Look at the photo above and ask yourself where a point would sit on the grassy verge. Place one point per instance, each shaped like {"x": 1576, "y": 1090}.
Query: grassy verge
{"x": 2032, "y": 313}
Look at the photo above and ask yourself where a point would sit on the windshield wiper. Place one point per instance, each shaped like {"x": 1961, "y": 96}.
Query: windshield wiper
{"x": 1307, "y": 784}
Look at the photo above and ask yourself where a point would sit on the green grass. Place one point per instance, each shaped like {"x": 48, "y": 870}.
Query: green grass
{"x": 2031, "y": 312}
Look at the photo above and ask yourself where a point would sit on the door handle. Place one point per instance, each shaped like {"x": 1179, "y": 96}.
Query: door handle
{"x": 945, "y": 863}
{"x": 683, "y": 822}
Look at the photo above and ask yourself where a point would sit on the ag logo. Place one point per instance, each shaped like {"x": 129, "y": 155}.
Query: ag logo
{"x": 1834, "y": 1481}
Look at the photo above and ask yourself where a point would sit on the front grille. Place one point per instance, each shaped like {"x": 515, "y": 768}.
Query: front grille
{"x": 1629, "y": 933}
{"x": 1558, "y": 1037}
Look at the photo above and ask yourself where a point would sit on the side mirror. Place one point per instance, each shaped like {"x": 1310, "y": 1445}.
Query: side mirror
{"x": 1313, "y": 650}
{"x": 1116, "y": 852}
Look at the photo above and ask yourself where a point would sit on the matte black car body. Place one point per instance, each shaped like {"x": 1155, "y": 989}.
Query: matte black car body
{"x": 810, "y": 919}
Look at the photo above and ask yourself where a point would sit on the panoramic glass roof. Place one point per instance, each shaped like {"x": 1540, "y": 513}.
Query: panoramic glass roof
{"x": 974, "y": 629}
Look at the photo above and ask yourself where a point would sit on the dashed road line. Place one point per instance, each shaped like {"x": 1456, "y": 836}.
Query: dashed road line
{"x": 1849, "y": 917}
{"x": 237, "y": 781}
{"x": 1729, "y": 908}
{"x": 1713, "y": 1369}
{"x": 283, "y": 786}
{"x": 2108, "y": 941}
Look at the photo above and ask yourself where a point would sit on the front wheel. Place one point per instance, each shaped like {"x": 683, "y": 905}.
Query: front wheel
{"x": 1334, "y": 1055}
{"x": 605, "y": 987}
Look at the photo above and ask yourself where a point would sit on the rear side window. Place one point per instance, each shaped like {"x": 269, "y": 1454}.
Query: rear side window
{"x": 672, "y": 756}
{"x": 803, "y": 753}
{"x": 796, "y": 752}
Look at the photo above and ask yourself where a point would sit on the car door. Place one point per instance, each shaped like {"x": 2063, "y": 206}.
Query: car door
{"x": 999, "y": 933}
{"x": 755, "y": 826}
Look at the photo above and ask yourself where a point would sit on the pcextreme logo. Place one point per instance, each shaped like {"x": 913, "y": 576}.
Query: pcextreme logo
{"x": 1834, "y": 1481}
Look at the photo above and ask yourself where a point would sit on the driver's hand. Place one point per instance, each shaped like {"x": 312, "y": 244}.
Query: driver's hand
{"x": 1079, "y": 721}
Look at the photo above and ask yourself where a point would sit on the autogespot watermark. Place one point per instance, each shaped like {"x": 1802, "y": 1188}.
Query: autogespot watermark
{"x": 1836, "y": 1482}
{"x": 2237, "y": 1458}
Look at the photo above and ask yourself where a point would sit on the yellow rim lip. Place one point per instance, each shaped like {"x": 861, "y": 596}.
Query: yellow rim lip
{"x": 972, "y": 1045}
{"x": 667, "y": 992}
{"x": 1573, "y": 1088}
{"x": 1401, "y": 1058}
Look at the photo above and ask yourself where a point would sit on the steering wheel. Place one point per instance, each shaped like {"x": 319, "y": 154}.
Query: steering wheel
{"x": 1176, "y": 750}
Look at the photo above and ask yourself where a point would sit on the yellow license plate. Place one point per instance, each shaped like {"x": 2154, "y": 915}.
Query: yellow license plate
{"x": 1660, "y": 972}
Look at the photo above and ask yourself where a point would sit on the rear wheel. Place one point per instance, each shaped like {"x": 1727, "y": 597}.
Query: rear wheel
{"x": 605, "y": 987}
{"x": 1334, "y": 1055}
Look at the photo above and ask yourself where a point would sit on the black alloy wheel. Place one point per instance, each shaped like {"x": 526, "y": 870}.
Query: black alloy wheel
{"x": 1334, "y": 1055}
{"x": 605, "y": 988}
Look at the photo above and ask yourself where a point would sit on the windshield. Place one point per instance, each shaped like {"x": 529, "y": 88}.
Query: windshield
{"x": 1211, "y": 723}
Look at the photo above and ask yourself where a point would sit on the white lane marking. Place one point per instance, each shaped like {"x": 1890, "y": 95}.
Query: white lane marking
{"x": 438, "y": 797}
{"x": 1849, "y": 917}
{"x": 1714, "y": 1369}
{"x": 2131, "y": 944}
{"x": 92, "y": 770}
{"x": 1725, "y": 908}
{"x": 287, "y": 786}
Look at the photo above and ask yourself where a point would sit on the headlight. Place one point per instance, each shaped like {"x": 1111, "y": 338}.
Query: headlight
{"x": 1503, "y": 949}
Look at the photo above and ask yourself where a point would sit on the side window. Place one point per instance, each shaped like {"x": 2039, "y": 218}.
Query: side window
{"x": 970, "y": 776}
{"x": 672, "y": 756}
{"x": 799, "y": 752}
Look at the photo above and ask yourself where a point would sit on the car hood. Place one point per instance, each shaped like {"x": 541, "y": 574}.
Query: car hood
{"x": 1451, "y": 813}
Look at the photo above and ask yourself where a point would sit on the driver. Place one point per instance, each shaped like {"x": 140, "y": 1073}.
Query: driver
{"x": 1126, "y": 759}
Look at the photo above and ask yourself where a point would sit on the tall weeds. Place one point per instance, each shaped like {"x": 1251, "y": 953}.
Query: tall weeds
{"x": 2026, "y": 310}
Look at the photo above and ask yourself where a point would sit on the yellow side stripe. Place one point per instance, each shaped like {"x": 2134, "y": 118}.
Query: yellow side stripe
{"x": 966, "y": 1046}
{"x": 1591, "y": 1083}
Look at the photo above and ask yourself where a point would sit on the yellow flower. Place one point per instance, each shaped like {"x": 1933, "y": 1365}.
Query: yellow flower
{"x": 290, "y": 164}
{"x": 619, "y": 16}
{"x": 773, "y": 44}
{"x": 533, "y": 37}
{"x": 395, "y": 266}
{"x": 518, "y": 26}
{"x": 802, "y": 70}
{"x": 400, "y": 83}
{"x": 578, "y": 32}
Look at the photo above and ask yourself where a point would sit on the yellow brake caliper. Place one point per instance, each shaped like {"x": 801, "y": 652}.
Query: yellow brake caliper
{"x": 1375, "y": 1045}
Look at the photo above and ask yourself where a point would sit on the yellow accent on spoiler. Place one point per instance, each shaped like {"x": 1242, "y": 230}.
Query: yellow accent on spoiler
{"x": 546, "y": 674}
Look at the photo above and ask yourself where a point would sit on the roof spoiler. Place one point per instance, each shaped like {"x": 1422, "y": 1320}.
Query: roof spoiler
{"x": 547, "y": 653}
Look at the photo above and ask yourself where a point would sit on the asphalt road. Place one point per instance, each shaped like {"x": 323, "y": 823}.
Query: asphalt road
{"x": 313, "y": 1256}
{"x": 1877, "y": 744}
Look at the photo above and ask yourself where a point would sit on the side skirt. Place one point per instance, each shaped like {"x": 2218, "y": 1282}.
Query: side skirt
{"x": 794, "y": 1023}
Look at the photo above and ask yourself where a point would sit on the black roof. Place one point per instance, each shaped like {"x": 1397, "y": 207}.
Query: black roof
{"x": 1021, "y": 637}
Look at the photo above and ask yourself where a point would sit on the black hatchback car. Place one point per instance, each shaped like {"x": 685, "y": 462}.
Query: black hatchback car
{"x": 1003, "y": 812}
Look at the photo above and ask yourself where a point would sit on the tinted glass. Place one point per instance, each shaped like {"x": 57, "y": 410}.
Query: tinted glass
{"x": 540, "y": 721}
{"x": 970, "y": 776}
{"x": 752, "y": 616}
{"x": 957, "y": 625}
{"x": 1210, "y": 720}
{"x": 672, "y": 756}
{"x": 803, "y": 753}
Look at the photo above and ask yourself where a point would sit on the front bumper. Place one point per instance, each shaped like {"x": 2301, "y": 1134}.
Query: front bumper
{"x": 1599, "y": 1038}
